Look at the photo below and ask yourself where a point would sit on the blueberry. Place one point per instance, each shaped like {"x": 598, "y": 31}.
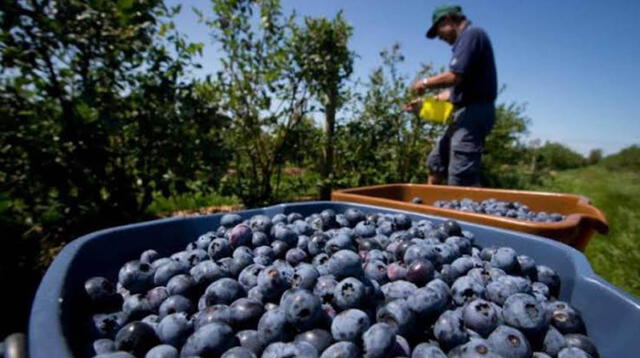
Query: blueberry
{"x": 261, "y": 223}
{"x": 305, "y": 276}
{"x": 279, "y": 218}
{"x": 248, "y": 277}
{"x": 506, "y": 259}
{"x": 540, "y": 291}
{"x": 204, "y": 240}
{"x": 398, "y": 289}
{"x": 219, "y": 248}
{"x": 573, "y": 352}
{"x": 345, "y": 263}
{"x": 165, "y": 272}
{"x": 250, "y": 339}
{"x": 106, "y": 325}
{"x": 553, "y": 342}
{"x": 148, "y": 256}
{"x": 427, "y": 350}
{"x": 378, "y": 341}
{"x": 466, "y": 289}
{"x": 295, "y": 256}
{"x": 449, "y": 330}
{"x": 135, "y": 276}
{"x": 550, "y": 278}
{"x": 396, "y": 271}
{"x": 480, "y": 316}
{"x": 225, "y": 291}
{"x": 349, "y": 293}
{"x": 349, "y": 325}
{"x": 152, "y": 320}
{"x": 264, "y": 255}
{"x": 328, "y": 218}
{"x": 375, "y": 270}
{"x": 175, "y": 304}
{"x": 271, "y": 283}
{"x": 427, "y": 303}
{"x": 259, "y": 238}
{"x": 239, "y": 352}
{"x": 302, "y": 309}
{"x": 301, "y": 227}
{"x": 475, "y": 348}
{"x": 241, "y": 235}
{"x": 118, "y": 354}
{"x": 210, "y": 340}
{"x": 286, "y": 235}
{"x": 463, "y": 243}
{"x": 183, "y": 285}
{"x": 280, "y": 249}
{"x": 341, "y": 350}
{"x": 214, "y": 313}
{"x": 462, "y": 265}
{"x": 272, "y": 326}
{"x": 540, "y": 355}
{"x": 230, "y": 220}
{"x": 174, "y": 329}
{"x": 509, "y": 342}
{"x": 527, "y": 266}
{"x": 318, "y": 338}
{"x": 102, "y": 294}
{"x": 136, "y": 338}
{"x": 524, "y": 312}
{"x": 396, "y": 314}
{"x": 284, "y": 350}
{"x": 451, "y": 228}
{"x": 565, "y": 318}
{"x": 103, "y": 345}
{"x": 246, "y": 312}
{"x": 337, "y": 243}
{"x": 136, "y": 306}
{"x": 325, "y": 287}
{"x": 583, "y": 342}
{"x": 353, "y": 216}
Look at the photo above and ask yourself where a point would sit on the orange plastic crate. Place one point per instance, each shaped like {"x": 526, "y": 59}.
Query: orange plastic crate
{"x": 582, "y": 218}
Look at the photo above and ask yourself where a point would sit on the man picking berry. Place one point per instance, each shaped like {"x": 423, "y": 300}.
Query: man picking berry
{"x": 471, "y": 85}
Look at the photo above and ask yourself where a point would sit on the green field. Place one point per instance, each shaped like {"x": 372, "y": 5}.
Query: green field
{"x": 616, "y": 256}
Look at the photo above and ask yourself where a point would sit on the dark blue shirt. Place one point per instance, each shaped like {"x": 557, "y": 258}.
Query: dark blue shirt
{"x": 473, "y": 59}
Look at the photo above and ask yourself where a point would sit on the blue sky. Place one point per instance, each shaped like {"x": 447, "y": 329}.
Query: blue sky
{"x": 574, "y": 63}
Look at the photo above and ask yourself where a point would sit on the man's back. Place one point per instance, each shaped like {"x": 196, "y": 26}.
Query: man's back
{"x": 473, "y": 59}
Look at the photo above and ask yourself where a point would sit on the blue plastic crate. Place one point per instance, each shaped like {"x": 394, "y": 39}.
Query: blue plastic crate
{"x": 57, "y": 326}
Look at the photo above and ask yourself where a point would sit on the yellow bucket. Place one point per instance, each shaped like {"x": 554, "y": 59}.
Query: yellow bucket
{"x": 436, "y": 111}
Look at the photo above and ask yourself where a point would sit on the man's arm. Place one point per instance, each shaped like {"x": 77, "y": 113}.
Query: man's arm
{"x": 447, "y": 79}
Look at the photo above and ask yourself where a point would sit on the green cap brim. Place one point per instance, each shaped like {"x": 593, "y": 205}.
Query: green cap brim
{"x": 432, "y": 32}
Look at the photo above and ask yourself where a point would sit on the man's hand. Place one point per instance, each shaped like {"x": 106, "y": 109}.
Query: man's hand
{"x": 443, "y": 96}
{"x": 419, "y": 86}
{"x": 414, "y": 106}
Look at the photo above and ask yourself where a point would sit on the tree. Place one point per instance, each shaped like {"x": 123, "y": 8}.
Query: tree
{"x": 96, "y": 117}
{"x": 595, "y": 156}
{"x": 264, "y": 91}
{"x": 556, "y": 156}
{"x": 382, "y": 143}
{"x": 322, "y": 53}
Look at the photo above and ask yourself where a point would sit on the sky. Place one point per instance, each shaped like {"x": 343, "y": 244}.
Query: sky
{"x": 575, "y": 64}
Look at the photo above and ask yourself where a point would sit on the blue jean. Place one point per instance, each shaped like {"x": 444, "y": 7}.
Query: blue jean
{"x": 458, "y": 153}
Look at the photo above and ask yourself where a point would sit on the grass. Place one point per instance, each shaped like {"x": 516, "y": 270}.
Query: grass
{"x": 616, "y": 256}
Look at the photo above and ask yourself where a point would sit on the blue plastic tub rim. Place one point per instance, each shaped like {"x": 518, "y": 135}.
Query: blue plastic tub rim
{"x": 46, "y": 335}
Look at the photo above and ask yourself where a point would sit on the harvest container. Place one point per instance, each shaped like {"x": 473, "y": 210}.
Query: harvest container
{"x": 57, "y": 323}
{"x": 581, "y": 222}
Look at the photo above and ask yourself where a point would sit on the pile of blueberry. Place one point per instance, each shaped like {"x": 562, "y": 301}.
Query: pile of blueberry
{"x": 514, "y": 210}
{"x": 335, "y": 285}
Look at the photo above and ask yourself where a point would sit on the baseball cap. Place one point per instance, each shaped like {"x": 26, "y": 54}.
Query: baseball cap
{"x": 440, "y": 12}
